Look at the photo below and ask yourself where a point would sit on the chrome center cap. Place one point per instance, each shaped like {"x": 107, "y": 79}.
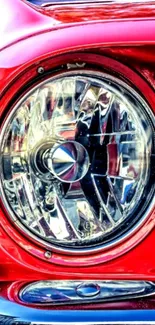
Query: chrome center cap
{"x": 69, "y": 161}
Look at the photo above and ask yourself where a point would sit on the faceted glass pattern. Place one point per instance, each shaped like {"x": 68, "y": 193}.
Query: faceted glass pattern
{"x": 75, "y": 159}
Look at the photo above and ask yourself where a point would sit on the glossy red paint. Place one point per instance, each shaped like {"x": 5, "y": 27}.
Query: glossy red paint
{"x": 111, "y": 38}
{"x": 103, "y": 11}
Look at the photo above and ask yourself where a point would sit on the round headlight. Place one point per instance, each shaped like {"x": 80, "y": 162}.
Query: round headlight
{"x": 76, "y": 161}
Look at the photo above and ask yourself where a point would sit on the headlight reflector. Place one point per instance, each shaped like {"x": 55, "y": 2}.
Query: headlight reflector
{"x": 76, "y": 155}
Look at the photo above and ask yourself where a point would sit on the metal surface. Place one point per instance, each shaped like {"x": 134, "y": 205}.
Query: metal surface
{"x": 118, "y": 267}
{"x": 129, "y": 37}
{"x": 103, "y": 123}
{"x": 78, "y": 292}
{"x": 45, "y": 3}
{"x": 68, "y": 162}
{"x": 39, "y": 21}
{"x": 15, "y": 314}
{"x": 88, "y": 289}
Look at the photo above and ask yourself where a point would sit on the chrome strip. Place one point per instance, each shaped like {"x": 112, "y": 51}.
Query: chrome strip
{"x": 91, "y": 2}
{"x": 4, "y": 320}
{"x": 13, "y": 313}
{"x": 76, "y": 292}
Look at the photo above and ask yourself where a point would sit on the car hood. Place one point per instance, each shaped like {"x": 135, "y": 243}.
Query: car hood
{"x": 19, "y": 19}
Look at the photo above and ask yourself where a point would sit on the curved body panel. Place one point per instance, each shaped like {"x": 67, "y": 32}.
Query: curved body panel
{"x": 119, "y": 37}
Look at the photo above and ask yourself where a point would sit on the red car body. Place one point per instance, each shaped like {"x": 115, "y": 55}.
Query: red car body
{"x": 119, "y": 36}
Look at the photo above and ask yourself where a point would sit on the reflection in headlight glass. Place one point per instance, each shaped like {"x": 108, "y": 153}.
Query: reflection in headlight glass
{"x": 75, "y": 159}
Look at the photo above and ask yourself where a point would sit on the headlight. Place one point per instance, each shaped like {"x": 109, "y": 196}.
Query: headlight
{"x": 76, "y": 161}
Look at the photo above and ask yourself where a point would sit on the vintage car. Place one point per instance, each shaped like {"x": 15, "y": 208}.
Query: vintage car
{"x": 77, "y": 162}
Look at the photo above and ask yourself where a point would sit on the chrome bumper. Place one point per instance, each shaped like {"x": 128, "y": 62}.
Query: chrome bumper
{"x": 15, "y": 314}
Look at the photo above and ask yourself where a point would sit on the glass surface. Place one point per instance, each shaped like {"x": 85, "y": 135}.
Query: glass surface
{"x": 77, "y": 292}
{"x": 75, "y": 160}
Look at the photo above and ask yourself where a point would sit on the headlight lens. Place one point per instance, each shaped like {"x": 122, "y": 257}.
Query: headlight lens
{"x": 76, "y": 156}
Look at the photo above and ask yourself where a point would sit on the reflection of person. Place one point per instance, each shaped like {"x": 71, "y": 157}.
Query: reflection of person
{"x": 82, "y": 129}
{"x": 19, "y": 128}
{"x": 128, "y": 191}
{"x": 47, "y": 114}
